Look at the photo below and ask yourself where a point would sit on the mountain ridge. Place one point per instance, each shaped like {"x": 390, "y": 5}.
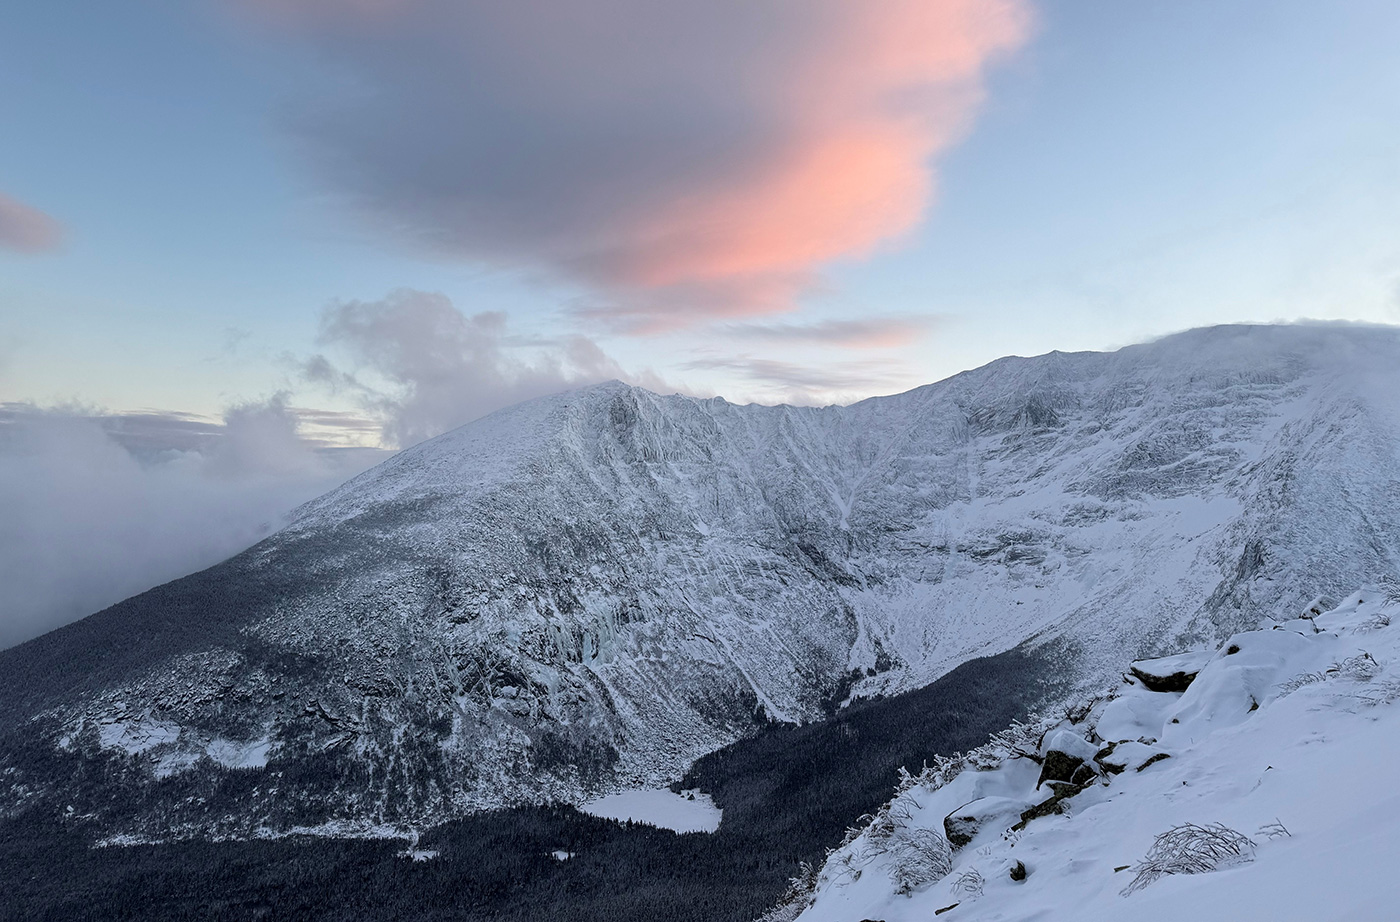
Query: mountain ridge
{"x": 594, "y": 589}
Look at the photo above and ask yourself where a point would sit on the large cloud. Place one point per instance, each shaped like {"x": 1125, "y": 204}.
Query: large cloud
{"x": 26, "y": 229}
{"x": 98, "y": 507}
{"x": 685, "y": 159}
{"x": 423, "y": 367}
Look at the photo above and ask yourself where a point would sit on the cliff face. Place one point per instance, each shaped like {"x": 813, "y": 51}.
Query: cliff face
{"x": 594, "y": 589}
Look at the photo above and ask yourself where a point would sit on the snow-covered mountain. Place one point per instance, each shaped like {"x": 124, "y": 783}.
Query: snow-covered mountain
{"x": 591, "y": 590}
{"x": 1259, "y": 786}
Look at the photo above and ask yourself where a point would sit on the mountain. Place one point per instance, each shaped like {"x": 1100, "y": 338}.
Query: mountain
{"x": 592, "y": 590}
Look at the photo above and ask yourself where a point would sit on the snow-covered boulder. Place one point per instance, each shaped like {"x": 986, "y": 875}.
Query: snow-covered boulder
{"x": 1136, "y": 714}
{"x": 1066, "y": 754}
{"x": 1170, "y": 673}
{"x": 1236, "y": 683}
{"x": 963, "y": 825}
{"x": 1131, "y": 755}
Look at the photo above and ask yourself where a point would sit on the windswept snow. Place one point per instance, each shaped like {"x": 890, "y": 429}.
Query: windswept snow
{"x": 1288, "y": 737}
{"x": 688, "y": 811}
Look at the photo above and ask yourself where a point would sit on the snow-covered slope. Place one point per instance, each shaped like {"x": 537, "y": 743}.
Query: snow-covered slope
{"x": 1264, "y": 791}
{"x": 588, "y": 591}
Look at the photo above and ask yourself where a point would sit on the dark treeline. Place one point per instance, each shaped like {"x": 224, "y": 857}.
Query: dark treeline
{"x": 787, "y": 793}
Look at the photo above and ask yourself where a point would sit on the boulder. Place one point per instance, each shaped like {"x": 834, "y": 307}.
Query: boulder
{"x": 1170, "y": 673}
{"x": 1131, "y": 755}
{"x": 1136, "y": 714}
{"x": 1084, "y": 774}
{"x": 1063, "y": 790}
{"x": 1064, "y": 754}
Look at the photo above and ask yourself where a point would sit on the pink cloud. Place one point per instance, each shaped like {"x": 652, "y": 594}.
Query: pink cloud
{"x": 27, "y": 229}
{"x": 692, "y": 159}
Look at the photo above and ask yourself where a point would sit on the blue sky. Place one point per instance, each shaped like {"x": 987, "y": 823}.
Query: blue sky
{"x": 1129, "y": 170}
{"x": 236, "y": 234}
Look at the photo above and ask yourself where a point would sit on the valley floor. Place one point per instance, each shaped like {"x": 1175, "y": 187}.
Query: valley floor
{"x": 786, "y": 794}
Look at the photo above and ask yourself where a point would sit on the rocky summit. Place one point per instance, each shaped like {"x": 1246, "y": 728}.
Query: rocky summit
{"x": 592, "y": 590}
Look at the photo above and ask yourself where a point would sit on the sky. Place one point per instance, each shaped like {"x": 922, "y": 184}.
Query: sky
{"x": 248, "y": 247}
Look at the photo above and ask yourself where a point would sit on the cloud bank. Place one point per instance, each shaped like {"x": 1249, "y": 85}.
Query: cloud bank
{"x": 98, "y": 507}
{"x": 26, "y": 229}
{"x": 684, "y": 160}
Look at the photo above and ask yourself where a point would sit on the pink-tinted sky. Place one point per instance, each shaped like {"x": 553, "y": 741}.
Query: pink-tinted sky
{"x": 751, "y": 198}
{"x": 235, "y": 234}
{"x": 682, "y": 161}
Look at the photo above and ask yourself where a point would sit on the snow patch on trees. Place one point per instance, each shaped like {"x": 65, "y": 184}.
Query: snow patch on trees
{"x": 688, "y": 811}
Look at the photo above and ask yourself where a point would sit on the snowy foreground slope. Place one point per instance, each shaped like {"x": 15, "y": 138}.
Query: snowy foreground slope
{"x": 1272, "y": 777}
{"x": 587, "y": 592}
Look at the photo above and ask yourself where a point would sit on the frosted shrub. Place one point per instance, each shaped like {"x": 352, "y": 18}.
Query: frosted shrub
{"x": 1376, "y": 622}
{"x": 1192, "y": 849}
{"x": 943, "y": 770}
{"x": 796, "y": 898}
{"x": 1390, "y": 585}
{"x": 970, "y": 883}
{"x": 1381, "y": 693}
{"x": 1020, "y": 740}
{"x": 1361, "y": 668}
{"x": 1300, "y": 681}
{"x": 921, "y": 856}
{"x": 885, "y": 824}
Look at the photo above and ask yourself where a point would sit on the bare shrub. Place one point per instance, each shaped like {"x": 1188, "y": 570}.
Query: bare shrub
{"x": 1381, "y": 693}
{"x": 1192, "y": 849}
{"x": 1274, "y": 830}
{"x": 1374, "y": 623}
{"x": 1390, "y": 585}
{"x": 1361, "y": 668}
{"x": 970, "y": 883}
{"x": 921, "y": 856}
{"x": 1300, "y": 681}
